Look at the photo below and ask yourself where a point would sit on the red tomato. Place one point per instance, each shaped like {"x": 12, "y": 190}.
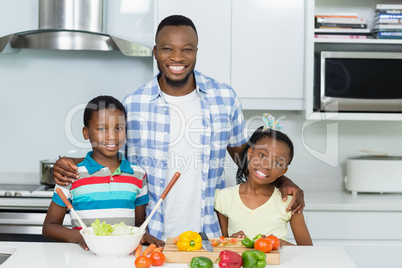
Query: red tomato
{"x": 142, "y": 262}
{"x": 157, "y": 258}
{"x": 274, "y": 240}
{"x": 263, "y": 244}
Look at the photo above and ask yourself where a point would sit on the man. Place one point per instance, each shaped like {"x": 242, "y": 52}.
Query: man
{"x": 183, "y": 121}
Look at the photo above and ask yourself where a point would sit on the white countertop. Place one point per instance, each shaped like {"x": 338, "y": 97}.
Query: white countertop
{"x": 345, "y": 201}
{"x": 63, "y": 255}
{"x": 318, "y": 200}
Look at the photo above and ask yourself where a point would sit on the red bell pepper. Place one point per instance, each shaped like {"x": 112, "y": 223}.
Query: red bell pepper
{"x": 230, "y": 259}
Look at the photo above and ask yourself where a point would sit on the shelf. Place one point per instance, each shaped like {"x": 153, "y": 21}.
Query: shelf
{"x": 355, "y": 116}
{"x": 358, "y": 41}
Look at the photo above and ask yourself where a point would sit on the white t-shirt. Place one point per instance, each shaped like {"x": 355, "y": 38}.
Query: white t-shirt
{"x": 182, "y": 206}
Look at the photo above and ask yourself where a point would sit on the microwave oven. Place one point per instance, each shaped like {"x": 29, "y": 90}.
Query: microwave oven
{"x": 358, "y": 82}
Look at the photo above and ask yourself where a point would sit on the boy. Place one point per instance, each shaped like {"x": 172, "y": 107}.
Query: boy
{"x": 109, "y": 188}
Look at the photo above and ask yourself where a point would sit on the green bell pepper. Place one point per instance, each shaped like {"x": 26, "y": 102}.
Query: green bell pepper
{"x": 254, "y": 259}
{"x": 248, "y": 242}
{"x": 201, "y": 262}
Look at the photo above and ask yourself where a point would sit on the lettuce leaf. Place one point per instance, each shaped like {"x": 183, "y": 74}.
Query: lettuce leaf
{"x": 104, "y": 229}
{"x": 121, "y": 229}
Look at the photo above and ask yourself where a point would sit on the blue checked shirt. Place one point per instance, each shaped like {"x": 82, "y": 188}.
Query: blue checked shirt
{"x": 148, "y": 139}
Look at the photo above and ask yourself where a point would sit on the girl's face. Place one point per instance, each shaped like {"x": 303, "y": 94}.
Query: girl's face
{"x": 267, "y": 160}
{"x": 106, "y": 131}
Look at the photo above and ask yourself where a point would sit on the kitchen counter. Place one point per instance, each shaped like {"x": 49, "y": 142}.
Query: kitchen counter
{"x": 344, "y": 201}
{"x": 317, "y": 200}
{"x": 63, "y": 255}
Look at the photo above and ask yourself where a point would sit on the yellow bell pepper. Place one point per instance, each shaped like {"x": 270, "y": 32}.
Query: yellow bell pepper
{"x": 189, "y": 241}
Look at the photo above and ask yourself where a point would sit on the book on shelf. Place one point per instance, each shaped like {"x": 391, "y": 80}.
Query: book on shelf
{"x": 339, "y": 20}
{"x": 389, "y": 16}
{"x": 335, "y": 15}
{"x": 389, "y": 11}
{"x": 388, "y": 20}
{"x": 389, "y": 35}
{"x": 388, "y": 26}
{"x": 339, "y": 36}
{"x": 341, "y": 25}
{"x": 376, "y": 30}
{"x": 388, "y": 6}
{"x": 342, "y": 31}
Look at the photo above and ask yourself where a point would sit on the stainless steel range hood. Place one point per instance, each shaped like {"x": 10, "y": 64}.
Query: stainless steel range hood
{"x": 71, "y": 25}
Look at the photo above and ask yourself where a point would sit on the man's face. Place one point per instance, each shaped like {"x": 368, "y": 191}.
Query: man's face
{"x": 176, "y": 53}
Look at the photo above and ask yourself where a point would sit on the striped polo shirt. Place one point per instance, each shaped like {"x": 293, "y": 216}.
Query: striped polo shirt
{"x": 99, "y": 194}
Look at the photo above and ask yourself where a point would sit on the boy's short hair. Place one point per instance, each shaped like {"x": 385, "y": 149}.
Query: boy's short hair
{"x": 99, "y": 103}
{"x": 175, "y": 20}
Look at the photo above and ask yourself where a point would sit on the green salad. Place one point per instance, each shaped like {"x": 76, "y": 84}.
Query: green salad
{"x": 104, "y": 229}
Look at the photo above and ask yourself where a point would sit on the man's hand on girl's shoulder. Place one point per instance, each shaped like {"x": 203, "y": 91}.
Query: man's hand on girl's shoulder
{"x": 65, "y": 171}
{"x": 286, "y": 188}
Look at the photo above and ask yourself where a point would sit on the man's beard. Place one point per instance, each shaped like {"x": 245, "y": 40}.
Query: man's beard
{"x": 174, "y": 83}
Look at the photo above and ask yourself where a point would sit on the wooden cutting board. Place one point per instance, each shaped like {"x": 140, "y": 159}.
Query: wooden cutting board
{"x": 172, "y": 254}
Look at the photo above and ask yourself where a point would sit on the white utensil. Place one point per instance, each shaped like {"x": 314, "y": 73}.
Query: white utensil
{"x": 70, "y": 207}
{"x": 164, "y": 194}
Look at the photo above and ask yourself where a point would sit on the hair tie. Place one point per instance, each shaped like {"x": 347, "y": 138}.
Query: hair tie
{"x": 271, "y": 123}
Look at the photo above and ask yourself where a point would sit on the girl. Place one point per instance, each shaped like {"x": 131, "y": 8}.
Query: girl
{"x": 255, "y": 206}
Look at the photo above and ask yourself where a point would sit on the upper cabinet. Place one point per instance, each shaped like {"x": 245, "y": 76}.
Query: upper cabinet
{"x": 268, "y": 53}
{"x": 315, "y": 47}
{"x": 255, "y": 46}
{"x": 212, "y": 20}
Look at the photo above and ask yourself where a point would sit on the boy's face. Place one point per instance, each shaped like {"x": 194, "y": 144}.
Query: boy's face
{"x": 106, "y": 131}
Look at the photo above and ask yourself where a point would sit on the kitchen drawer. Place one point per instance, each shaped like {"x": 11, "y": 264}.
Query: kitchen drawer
{"x": 354, "y": 225}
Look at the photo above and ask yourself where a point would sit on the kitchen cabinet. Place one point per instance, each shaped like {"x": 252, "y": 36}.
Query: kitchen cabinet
{"x": 367, "y": 226}
{"x": 364, "y": 9}
{"x": 213, "y": 22}
{"x": 268, "y": 53}
{"x": 371, "y": 238}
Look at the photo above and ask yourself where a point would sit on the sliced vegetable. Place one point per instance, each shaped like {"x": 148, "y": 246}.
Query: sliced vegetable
{"x": 214, "y": 243}
{"x": 233, "y": 241}
{"x": 189, "y": 241}
{"x": 201, "y": 262}
{"x": 223, "y": 241}
{"x": 254, "y": 259}
{"x": 229, "y": 258}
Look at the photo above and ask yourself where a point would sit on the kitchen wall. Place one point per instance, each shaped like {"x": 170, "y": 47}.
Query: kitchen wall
{"x": 43, "y": 94}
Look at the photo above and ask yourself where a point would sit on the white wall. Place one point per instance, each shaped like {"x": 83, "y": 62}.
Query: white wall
{"x": 39, "y": 89}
